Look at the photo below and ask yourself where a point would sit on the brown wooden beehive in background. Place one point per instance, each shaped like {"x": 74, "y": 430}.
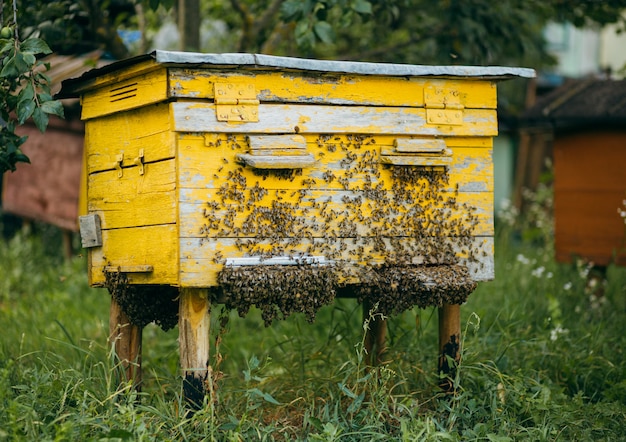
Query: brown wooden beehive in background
{"x": 585, "y": 120}
{"x": 272, "y": 181}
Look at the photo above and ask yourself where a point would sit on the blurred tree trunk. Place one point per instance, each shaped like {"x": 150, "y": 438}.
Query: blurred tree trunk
{"x": 189, "y": 25}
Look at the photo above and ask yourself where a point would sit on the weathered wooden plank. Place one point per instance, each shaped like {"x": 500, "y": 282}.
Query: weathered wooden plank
{"x": 449, "y": 345}
{"x": 270, "y": 142}
{"x": 202, "y": 166}
{"x": 202, "y": 260}
{"x": 276, "y": 161}
{"x": 134, "y": 200}
{"x": 194, "y": 323}
{"x": 420, "y": 145}
{"x": 192, "y": 116}
{"x": 131, "y": 93}
{"x": 126, "y": 339}
{"x": 155, "y": 246}
{"x": 126, "y": 133}
{"x": 387, "y": 157}
{"x": 322, "y": 212}
{"x": 320, "y": 88}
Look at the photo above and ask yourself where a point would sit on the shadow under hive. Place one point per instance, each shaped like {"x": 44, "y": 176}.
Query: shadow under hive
{"x": 281, "y": 183}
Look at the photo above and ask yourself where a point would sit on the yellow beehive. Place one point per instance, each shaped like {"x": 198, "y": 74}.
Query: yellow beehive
{"x": 280, "y": 182}
{"x": 195, "y": 161}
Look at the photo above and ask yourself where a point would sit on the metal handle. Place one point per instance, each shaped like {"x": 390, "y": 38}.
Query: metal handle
{"x": 431, "y": 152}
{"x": 130, "y": 269}
{"x": 276, "y": 152}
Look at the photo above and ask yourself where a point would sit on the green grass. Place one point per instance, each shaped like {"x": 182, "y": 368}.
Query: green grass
{"x": 540, "y": 362}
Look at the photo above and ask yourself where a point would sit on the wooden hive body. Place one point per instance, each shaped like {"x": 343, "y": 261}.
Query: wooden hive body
{"x": 197, "y": 161}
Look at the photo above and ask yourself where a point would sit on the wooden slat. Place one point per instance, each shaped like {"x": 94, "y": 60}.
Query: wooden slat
{"x": 276, "y": 161}
{"x": 198, "y": 267}
{"x": 155, "y": 246}
{"x": 287, "y": 87}
{"x": 278, "y": 118}
{"x": 271, "y": 142}
{"x": 134, "y": 200}
{"x": 420, "y": 145}
{"x": 131, "y": 93}
{"x": 330, "y": 213}
{"x": 126, "y": 133}
{"x": 209, "y": 167}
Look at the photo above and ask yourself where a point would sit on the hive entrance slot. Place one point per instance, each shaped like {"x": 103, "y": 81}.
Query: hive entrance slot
{"x": 123, "y": 92}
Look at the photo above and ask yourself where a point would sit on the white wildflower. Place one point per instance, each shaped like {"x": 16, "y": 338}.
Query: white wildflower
{"x": 538, "y": 272}
{"x": 567, "y": 286}
{"x": 556, "y": 331}
{"x": 521, "y": 258}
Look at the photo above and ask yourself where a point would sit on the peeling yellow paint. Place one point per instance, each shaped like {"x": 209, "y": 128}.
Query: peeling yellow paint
{"x": 157, "y": 157}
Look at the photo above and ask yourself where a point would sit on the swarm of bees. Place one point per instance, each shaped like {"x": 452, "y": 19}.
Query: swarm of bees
{"x": 373, "y": 232}
{"x": 395, "y": 231}
{"x": 400, "y": 288}
{"x": 144, "y": 304}
{"x": 278, "y": 291}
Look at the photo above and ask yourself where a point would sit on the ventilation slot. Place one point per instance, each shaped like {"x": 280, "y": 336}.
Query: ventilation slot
{"x": 123, "y": 93}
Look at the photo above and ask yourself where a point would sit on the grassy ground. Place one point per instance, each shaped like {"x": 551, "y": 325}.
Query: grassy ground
{"x": 541, "y": 361}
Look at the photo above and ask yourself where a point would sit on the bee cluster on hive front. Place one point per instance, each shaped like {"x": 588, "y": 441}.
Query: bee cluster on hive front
{"x": 364, "y": 217}
{"x": 278, "y": 291}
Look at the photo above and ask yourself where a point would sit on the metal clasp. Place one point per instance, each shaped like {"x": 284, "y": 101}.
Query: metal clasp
{"x": 139, "y": 162}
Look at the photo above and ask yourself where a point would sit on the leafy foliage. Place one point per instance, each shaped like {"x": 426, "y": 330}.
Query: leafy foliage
{"x": 24, "y": 93}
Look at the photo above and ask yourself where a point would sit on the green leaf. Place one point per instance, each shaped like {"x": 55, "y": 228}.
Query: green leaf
{"x": 20, "y": 63}
{"x": 304, "y": 35}
{"x": 27, "y": 93}
{"x": 25, "y": 110}
{"x": 35, "y": 46}
{"x": 7, "y": 47}
{"x": 29, "y": 59}
{"x": 54, "y": 107}
{"x": 362, "y": 6}
{"x": 21, "y": 158}
{"x": 41, "y": 119}
{"x": 291, "y": 10}
{"x": 324, "y": 31}
{"x": 9, "y": 69}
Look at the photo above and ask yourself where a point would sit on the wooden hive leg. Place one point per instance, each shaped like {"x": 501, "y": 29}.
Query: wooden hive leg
{"x": 127, "y": 340}
{"x": 194, "y": 326}
{"x": 449, "y": 344}
{"x": 375, "y": 335}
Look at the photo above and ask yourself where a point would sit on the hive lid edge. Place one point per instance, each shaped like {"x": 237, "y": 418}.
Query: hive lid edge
{"x": 71, "y": 87}
{"x": 338, "y": 66}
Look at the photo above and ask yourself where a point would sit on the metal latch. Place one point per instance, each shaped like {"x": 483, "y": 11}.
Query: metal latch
{"x": 90, "y": 231}
{"x": 236, "y": 102}
{"x": 443, "y": 105}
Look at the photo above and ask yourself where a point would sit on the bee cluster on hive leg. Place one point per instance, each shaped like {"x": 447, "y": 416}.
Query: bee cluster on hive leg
{"x": 144, "y": 304}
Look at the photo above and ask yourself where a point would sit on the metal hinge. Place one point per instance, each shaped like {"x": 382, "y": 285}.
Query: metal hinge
{"x": 236, "y": 102}
{"x": 443, "y": 105}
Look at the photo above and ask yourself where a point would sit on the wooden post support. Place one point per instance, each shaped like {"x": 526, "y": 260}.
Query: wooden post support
{"x": 449, "y": 344}
{"x": 127, "y": 340}
{"x": 375, "y": 336}
{"x": 194, "y": 326}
